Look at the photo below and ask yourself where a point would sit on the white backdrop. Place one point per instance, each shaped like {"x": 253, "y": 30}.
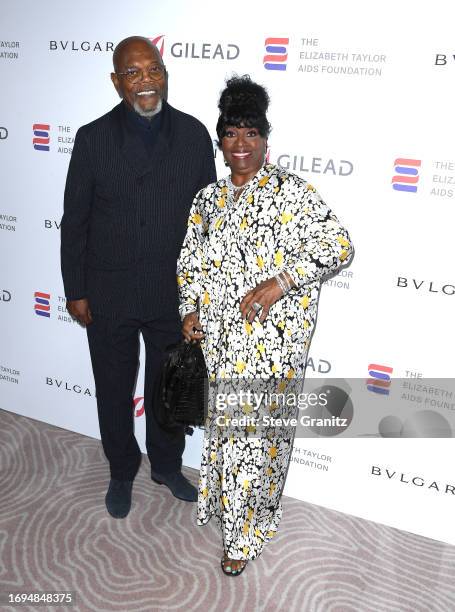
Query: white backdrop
{"x": 364, "y": 84}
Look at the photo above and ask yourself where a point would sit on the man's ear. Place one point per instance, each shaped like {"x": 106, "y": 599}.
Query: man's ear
{"x": 116, "y": 82}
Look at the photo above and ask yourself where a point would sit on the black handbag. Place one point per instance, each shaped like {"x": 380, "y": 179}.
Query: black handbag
{"x": 183, "y": 388}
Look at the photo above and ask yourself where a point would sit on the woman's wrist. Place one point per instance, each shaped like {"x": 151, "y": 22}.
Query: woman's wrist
{"x": 285, "y": 282}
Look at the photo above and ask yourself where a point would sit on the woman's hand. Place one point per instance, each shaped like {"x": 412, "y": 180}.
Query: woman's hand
{"x": 265, "y": 294}
{"x": 192, "y": 330}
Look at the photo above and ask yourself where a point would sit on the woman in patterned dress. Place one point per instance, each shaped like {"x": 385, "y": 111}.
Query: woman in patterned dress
{"x": 249, "y": 273}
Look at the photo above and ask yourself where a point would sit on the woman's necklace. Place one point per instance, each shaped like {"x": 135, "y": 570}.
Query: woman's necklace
{"x": 234, "y": 190}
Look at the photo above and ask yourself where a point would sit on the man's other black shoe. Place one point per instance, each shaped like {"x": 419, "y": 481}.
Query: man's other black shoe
{"x": 118, "y": 497}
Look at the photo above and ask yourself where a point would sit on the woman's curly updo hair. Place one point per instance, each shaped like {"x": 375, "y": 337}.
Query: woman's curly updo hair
{"x": 243, "y": 103}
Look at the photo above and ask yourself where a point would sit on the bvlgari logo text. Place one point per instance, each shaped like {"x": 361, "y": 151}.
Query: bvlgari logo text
{"x": 443, "y": 59}
{"x": 417, "y": 481}
{"x": 425, "y": 286}
{"x": 52, "y": 224}
{"x": 65, "y": 385}
{"x": 83, "y": 45}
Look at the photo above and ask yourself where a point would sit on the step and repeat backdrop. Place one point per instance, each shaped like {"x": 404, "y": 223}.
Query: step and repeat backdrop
{"x": 362, "y": 107}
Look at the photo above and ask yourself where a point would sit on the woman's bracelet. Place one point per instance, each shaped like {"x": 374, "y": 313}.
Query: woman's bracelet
{"x": 280, "y": 284}
{"x": 283, "y": 282}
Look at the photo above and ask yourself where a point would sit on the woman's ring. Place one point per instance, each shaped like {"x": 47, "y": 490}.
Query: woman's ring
{"x": 257, "y": 307}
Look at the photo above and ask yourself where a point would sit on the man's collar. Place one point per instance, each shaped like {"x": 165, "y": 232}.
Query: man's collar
{"x": 127, "y": 131}
{"x": 137, "y": 120}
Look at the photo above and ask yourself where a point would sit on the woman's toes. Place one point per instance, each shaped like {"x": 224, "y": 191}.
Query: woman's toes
{"x": 233, "y": 566}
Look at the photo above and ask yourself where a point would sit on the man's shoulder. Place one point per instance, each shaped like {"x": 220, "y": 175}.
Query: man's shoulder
{"x": 101, "y": 123}
{"x": 184, "y": 120}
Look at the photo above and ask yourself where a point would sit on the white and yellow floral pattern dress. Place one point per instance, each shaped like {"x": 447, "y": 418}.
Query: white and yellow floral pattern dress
{"x": 279, "y": 223}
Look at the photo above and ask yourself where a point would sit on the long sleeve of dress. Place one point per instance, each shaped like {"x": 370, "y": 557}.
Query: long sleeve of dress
{"x": 312, "y": 242}
{"x": 189, "y": 263}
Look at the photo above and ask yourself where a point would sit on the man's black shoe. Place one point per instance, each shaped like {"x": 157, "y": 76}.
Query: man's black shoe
{"x": 118, "y": 497}
{"x": 179, "y": 486}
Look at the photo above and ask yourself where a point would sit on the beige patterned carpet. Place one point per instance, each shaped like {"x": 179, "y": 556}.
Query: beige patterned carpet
{"x": 55, "y": 535}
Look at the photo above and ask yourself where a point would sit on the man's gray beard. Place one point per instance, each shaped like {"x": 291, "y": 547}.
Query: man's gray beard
{"x": 148, "y": 114}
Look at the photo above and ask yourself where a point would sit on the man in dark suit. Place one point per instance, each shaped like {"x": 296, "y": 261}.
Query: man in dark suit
{"x": 131, "y": 180}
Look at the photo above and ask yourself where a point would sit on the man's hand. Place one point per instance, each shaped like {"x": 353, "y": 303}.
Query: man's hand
{"x": 79, "y": 310}
{"x": 265, "y": 294}
{"x": 192, "y": 330}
